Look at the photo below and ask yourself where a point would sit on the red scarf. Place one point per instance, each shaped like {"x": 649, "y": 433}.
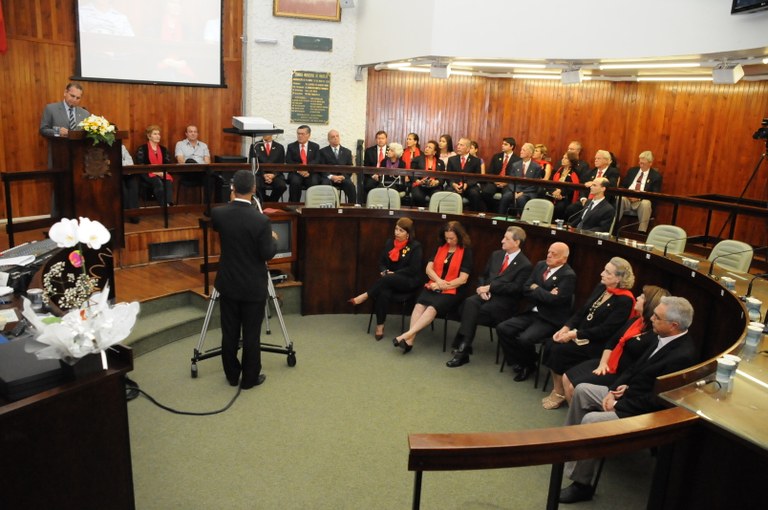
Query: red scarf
{"x": 394, "y": 253}
{"x": 156, "y": 158}
{"x": 407, "y": 156}
{"x": 454, "y": 268}
{"x": 632, "y": 331}
{"x": 621, "y": 292}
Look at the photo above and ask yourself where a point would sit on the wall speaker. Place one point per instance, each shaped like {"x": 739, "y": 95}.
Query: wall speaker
{"x": 441, "y": 71}
{"x": 729, "y": 74}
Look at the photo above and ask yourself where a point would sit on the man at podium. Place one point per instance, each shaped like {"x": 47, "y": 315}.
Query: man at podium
{"x": 64, "y": 116}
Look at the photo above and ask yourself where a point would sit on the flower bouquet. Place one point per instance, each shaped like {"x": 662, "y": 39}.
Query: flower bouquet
{"x": 98, "y": 129}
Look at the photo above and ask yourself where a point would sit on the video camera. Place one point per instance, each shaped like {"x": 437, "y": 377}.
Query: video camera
{"x": 762, "y": 132}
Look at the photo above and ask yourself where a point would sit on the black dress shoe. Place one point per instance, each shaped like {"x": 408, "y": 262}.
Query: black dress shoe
{"x": 460, "y": 358}
{"x": 523, "y": 374}
{"x": 233, "y": 382}
{"x": 396, "y": 342}
{"x": 466, "y": 349}
{"x": 576, "y": 492}
{"x": 378, "y": 336}
{"x": 259, "y": 380}
{"x": 517, "y": 368}
{"x": 405, "y": 347}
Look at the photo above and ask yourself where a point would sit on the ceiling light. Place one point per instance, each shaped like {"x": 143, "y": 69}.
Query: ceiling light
{"x": 765, "y": 60}
{"x": 531, "y": 76}
{"x": 521, "y": 65}
{"x": 674, "y": 78}
{"x": 650, "y": 65}
{"x": 397, "y": 65}
{"x": 414, "y": 69}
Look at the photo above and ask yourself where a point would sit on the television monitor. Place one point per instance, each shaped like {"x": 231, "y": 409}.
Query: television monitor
{"x": 746, "y": 6}
{"x": 284, "y": 226}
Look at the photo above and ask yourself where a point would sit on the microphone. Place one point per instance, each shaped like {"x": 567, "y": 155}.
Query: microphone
{"x": 749, "y": 287}
{"x": 629, "y": 225}
{"x": 666, "y": 245}
{"x": 712, "y": 265}
{"x": 572, "y": 216}
{"x": 440, "y": 202}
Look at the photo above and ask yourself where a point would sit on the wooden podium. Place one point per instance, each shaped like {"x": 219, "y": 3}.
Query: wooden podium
{"x": 92, "y": 186}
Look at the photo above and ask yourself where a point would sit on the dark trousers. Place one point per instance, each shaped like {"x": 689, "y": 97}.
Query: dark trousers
{"x": 508, "y": 199}
{"x": 420, "y": 194}
{"x": 241, "y": 317}
{"x": 271, "y": 192}
{"x": 519, "y": 335}
{"x": 156, "y": 183}
{"x": 347, "y": 186}
{"x": 477, "y": 311}
{"x": 487, "y": 190}
{"x": 382, "y": 291}
{"x": 296, "y": 183}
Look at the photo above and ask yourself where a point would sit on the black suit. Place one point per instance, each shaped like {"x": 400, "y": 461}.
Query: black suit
{"x": 529, "y": 191}
{"x": 371, "y": 159}
{"x": 421, "y": 192}
{"x": 519, "y": 335}
{"x": 488, "y": 189}
{"x": 327, "y": 157}
{"x": 506, "y": 292}
{"x": 611, "y": 173}
{"x": 406, "y": 274}
{"x": 642, "y": 208}
{"x": 472, "y": 165}
{"x": 295, "y": 181}
{"x": 598, "y": 219}
{"x": 155, "y": 182}
{"x": 246, "y": 246}
{"x": 277, "y": 156}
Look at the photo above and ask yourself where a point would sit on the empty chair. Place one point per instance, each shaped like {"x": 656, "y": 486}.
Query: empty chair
{"x": 732, "y": 255}
{"x": 446, "y": 202}
{"x": 321, "y": 195}
{"x": 667, "y": 237}
{"x": 538, "y": 209}
{"x": 383, "y": 197}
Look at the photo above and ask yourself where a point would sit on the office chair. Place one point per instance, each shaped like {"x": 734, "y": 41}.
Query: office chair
{"x": 538, "y": 209}
{"x": 733, "y": 255}
{"x": 446, "y": 202}
{"x": 386, "y": 198}
{"x": 660, "y": 235}
{"x": 321, "y": 195}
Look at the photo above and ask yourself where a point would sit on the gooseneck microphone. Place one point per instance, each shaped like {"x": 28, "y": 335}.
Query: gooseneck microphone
{"x": 666, "y": 245}
{"x": 572, "y": 216}
{"x": 440, "y": 202}
{"x": 630, "y": 225}
{"x": 749, "y": 287}
{"x": 712, "y": 265}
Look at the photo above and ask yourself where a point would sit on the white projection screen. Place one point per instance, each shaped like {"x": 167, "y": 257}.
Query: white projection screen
{"x": 174, "y": 42}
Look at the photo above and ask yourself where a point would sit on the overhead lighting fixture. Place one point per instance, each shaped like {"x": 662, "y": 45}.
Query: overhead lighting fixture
{"x": 414, "y": 69}
{"x": 765, "y": 60}
{"x": 728, "y": 74}
{"x": 670, "y": 65}
{"x": 573, "y": 76}
{"x": 398, "y": 65}
{"x": 674, "y": 78}
{"x": 532, "y": 76}
{"x": 519, "y": 65}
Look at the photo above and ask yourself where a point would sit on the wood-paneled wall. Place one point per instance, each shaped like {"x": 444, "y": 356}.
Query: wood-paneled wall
{"x": 700, "y": 133}
{"x": 39, "y": 63}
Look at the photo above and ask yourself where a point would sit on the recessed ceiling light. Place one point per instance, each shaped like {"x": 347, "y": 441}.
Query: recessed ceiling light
{"x": 414, "y": 69}
{"x": 650, "y": 65}
{"x": 532, "y": 76}
{"x": 674, "y": 78}
{"x": 520, "y": 65}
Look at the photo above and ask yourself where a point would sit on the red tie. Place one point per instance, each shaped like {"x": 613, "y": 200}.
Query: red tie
{"x": 303, "y": 155}
{"x": 269, "y": 146}
{"x": 381, "y": 156}
{"x": 599, "y": 173}
{"x": 504, "y": 264}
{"x": 639, "y": 181}
{"x": 546, "y": 274}
{"x": 525, "y": 168}
{"x": 504, "y": 166}
{"x": 463, "y": 161}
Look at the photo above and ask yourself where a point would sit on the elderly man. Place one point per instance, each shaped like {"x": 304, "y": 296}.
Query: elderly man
{"x": 497, "y": 296}
{"x": 466, "y": 163}
{"x": 598, "y": 212}
{"x": 632, "y": 393}
{"x": 640, "y": 178}
{"x": 549, "y": 294}
{"x": 335, "y": 154}
{"x": 517, "y": 193}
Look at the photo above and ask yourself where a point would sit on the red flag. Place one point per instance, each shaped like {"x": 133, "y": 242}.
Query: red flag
{"x": 3, "y": 40}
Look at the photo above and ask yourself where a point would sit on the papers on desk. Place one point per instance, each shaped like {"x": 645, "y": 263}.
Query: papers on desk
{"x": 24, "y": 260}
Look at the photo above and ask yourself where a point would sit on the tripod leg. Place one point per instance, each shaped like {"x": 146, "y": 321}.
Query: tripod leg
{"x": 204, "y": 331}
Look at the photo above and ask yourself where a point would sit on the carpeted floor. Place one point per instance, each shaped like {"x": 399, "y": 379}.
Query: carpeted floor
{"x": 331, "y": 432}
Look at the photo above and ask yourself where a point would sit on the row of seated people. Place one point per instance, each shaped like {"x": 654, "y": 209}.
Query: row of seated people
{"x": 604, "y": 357}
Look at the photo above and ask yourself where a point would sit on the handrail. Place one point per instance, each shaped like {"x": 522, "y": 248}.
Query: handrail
{"x": 555, "y": 445}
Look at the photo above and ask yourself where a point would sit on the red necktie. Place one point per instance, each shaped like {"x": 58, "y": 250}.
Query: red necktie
{"x": 639, "y": 181}
{"x": 599, "y": 173}
{"x": 546, "y": 274}
{"x": 381, "y": 156}
{"x": 268, "y": 146}
{"x": 525, "y": 168}
{"x": 463, "y": 161}
{"x": 303, "y": 155}
{"x": 504, "y": 264}
{"x": 504, "y": 165}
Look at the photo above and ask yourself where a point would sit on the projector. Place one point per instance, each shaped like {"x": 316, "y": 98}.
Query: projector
{"x": 251, "y": 123}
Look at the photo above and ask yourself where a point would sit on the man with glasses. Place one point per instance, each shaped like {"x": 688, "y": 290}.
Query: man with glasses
{"x": 670, "y": 349}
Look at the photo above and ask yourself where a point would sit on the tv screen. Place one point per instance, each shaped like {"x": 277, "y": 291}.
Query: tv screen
{"x": 743, "y": 6}
{"x": 174, "y": 42}
{"x": 284, "y": 228}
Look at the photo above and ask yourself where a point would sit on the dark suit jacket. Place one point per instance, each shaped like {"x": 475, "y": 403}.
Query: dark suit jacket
{"x": 640, "y": 378}
{"x": 328, "y": 158}
{"x": 507, "y": 287}
{"x": 535, "y": 171}
{"x": 611, "y": 173}
{"x": 246, "y": 246}
{"x": 410, "y": 264}
{"x": 293, "y": 153}
{"x": 497, "y": 161}
{"x": 553, "y": 308}
{"x": 607, "y": 319}
{"x": 371, "y": 156}
{"x": 471, "y": 166}
{"x": 652, "y": 182}
{"x": 276, "y": 153}
{"x": 55, "y": 114}
{"x": 142, "y": 155}
{"x": 598, "y": 219}
{"x": 419, "y": 163}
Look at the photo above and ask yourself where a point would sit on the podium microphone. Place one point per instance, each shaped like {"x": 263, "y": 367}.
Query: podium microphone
{"x": 630, "y": 225}
{"x": 666, "y": 245}
{"x": 712, "y": 265}
{"x": 440, "y": 202}
{"x": 749, "y": 287}
{"x": 572, "y": 216}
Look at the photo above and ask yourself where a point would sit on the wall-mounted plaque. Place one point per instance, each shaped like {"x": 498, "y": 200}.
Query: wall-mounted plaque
{"x": 327, "y": 10}
{"x": 310, "y": 97}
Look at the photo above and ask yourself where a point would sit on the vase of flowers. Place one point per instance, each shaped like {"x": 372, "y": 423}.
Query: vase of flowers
{"x": 89, "y": 324}
{"x": 99, "y": 130}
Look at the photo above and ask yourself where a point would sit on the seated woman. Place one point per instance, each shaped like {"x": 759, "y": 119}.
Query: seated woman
{"x": 424, "y": 187}
{"x": 621, "y": 351}
{"x": 586, "y": 333}
{"x": 412, "y": 149}
{"x": 393, "y": 161}
{"x": 152, "y": 153}
{"x": 447, "y": 272}
{"x": 474, "y": 149}
{"x": 541, "y": 156}
{"x": 446, "y": 148}
{"x": 401, "y": 271}
{"x": 564, "y": 197}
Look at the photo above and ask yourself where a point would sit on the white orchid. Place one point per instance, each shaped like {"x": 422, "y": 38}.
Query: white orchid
{"x": 65, "y": 233}
{"x": 92, "y": 233}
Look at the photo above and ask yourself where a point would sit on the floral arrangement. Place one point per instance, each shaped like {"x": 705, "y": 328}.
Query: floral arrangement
{"x": 91, "y": 325}
{"x": 98, "y": 129}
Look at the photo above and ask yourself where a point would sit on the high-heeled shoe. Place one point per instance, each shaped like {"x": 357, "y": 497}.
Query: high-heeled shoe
{"x": 396, "y": 342}
{"x": 378, "y": 336}
{"x": 406, "y": 347}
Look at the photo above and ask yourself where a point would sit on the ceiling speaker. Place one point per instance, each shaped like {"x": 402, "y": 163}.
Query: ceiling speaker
{"x": 568, "y": 77}
{"x": 442, "y": 71}
{"x": 729, "y": 74}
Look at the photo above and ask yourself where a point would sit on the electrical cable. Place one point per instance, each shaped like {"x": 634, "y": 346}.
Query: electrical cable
{"x": 132, "y": 391}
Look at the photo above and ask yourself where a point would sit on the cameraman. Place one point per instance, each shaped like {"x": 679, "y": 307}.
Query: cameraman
{"x": 246, "y": 246}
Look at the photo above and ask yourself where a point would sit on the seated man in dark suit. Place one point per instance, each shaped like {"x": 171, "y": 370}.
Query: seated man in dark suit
{"x": 466, "y": 163}
{"x": 497, "y": 296}
{"x": 632, "y": 393}
{"x": 500, "y": 164}
{"x": 640, "y": 178}
{"x": 301, "y": 152}
{"x": 602, "y": 168}
{"x": 335, "y": 154}
{"x": 270, "y": 184}
{"x": 598, "y": 213}
{"x": 549, "y": 294}
{"x": 516, "y": 195}
{"x": 373, "y": 157}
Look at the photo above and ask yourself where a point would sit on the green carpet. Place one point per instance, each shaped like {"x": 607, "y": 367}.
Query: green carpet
{"x": 331, "y": 432}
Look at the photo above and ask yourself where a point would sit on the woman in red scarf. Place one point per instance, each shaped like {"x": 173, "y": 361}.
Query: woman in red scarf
{"x": 447, "y": 272}
{"x": 623, "y": 349}
{"x": 400, "y": 267}
{"x": 412, "y": 149}
{"x": 424, "y": 187}
{"x": 152, "y": 153}
{"x": 586, "y": 333}
{"x": 564, "y": 197}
